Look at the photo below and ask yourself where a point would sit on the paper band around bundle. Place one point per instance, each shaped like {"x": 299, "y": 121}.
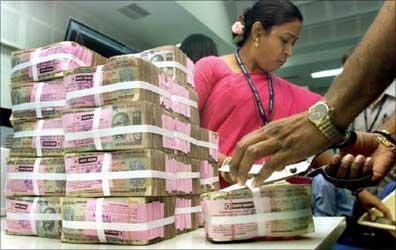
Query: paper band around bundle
{"x": 40, "y": 126}
{"x": 33, "y": 61}
{"x": 135, "y": 129}
{"x": 133, "y": 174}
{"x": 95, "y": 126}
{"x": 36, "y": 176}
{"x": 99, "y": 222}
{"x": 209, "y": 180}
{"x": 37, "y": 60}
{"x": 36, "y": 167}
{"x": 97, "y": 90}
{"x": 188, "y": 210}
{"x": 130, "y": 227}
{"x": 33, "y": 216}
{"x": 257, "y": 218}
{"x": 258, "y": 206}
{"x": 38, "y": 105}
{"x": 171, "y": 64}
{"x": 184, "y": 100}
{"x": 39, "y": 132}
{"x": 96, "y": 83}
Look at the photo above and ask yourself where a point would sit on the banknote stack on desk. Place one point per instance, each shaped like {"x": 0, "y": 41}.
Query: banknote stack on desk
{"x": 130, "y": 175}
{"x": 179, "y": 71}
{"x": 35, "y": 171}
{"x": 274, "y": 210}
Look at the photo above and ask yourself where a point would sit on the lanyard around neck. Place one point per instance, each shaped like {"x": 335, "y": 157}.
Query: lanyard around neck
{"x": 255, "y": 92}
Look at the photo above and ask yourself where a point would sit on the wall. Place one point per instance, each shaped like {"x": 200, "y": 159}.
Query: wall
{"x": 30, "y": 24}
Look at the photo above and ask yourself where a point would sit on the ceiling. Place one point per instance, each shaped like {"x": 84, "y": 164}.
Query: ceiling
{"x": 330, "y": 28}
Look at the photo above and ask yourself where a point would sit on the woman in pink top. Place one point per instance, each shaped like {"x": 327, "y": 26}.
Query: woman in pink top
{"x": 238, "y": 93}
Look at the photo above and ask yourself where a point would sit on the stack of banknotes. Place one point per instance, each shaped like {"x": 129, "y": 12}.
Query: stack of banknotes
{"x": 133, "y": 126}
{"x": 188, "y": 213}
{"x": 35, "y": 177}
{"x": 144, "y": 172}
{"x": 39, "y": 216}
{"x": 51, "y": 61}
{"x": 36, "y": 100}
{"x": 275, "y": 210}
{"x": 209, "y": 175}
{"x": 173, "y": 95}
{"x": 171, "y": 60}
{"x": 119, "y": 138}
{"x": 118, "y": 220}
{"x": 120, "y": 81}
{"x": 36, "y": 171}
{"x": 37, "y": 138}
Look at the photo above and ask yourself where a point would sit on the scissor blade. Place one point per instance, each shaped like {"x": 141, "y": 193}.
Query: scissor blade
{"x": 287, "y": 172}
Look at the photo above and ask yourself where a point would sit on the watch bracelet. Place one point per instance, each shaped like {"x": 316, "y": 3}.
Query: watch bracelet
{"x": 386, "y": 134}
{"x": 330, "y": 131}
{"x": 384, "y": 141}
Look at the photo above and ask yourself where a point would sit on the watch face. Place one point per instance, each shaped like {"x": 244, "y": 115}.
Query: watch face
{"x": 318, "y": 112}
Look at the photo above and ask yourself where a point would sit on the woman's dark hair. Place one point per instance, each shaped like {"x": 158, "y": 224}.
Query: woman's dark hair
{"x": 269, "y": 13}
{"x": 196, "y": 46}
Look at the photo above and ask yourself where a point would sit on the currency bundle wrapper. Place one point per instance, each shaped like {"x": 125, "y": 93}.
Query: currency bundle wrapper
{"x": 38, "y": 216}
{"x": 37, "y": 100}
{"x": 142, "y": 172}
{"x": 134, "y": 126}
{"x": 35, "y": 176}
{"x": 188, "y": 213}
{"x": 49, "y": 62}
{"x": 37, "y": 138}
{"x": 172, "y": 61}
{"x": 275, "y": 210}
{"x": 172, "y": 94}
{"x": 117, "y": 220}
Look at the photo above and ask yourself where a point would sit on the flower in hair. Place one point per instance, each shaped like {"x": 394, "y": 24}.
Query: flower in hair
{"x": 237, "y": 28}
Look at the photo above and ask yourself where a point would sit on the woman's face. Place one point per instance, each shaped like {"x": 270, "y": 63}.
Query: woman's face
{"x": 275, "y": 47}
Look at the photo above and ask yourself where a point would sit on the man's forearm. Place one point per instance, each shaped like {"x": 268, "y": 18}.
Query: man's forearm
{"x": 368, "y": 71}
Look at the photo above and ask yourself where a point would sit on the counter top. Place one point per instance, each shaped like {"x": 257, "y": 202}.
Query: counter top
{"x": 327, "y": 231}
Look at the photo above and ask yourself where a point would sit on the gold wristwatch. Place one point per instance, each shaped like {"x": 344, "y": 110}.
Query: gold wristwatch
{"x": 320, "y": 114}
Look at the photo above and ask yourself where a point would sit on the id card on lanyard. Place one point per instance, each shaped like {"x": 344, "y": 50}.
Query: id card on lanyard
{"x": 255, "y": 93}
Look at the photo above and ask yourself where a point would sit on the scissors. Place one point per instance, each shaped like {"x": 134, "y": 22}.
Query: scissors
{"x": 305, "y": 169}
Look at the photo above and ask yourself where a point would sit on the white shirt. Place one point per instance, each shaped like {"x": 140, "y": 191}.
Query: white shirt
{"x": 388, "y": 110}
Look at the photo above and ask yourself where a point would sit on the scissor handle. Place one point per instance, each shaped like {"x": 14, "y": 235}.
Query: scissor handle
{"x": 347, "y": 183}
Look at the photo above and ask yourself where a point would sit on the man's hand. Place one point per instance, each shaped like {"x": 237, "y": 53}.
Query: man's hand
{"x": 284, "y": 141}
{"x": 370, "y": 155}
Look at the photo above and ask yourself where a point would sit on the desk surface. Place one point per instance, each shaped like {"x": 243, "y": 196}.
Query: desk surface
{"x": 327, "y": 231}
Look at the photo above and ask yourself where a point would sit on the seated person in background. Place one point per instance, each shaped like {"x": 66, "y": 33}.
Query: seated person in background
{"x": 197, "y": 46}
{"x": 329, "y": 200}
{"x": 239, "y": 93}
{"x": 358, "y": 236}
